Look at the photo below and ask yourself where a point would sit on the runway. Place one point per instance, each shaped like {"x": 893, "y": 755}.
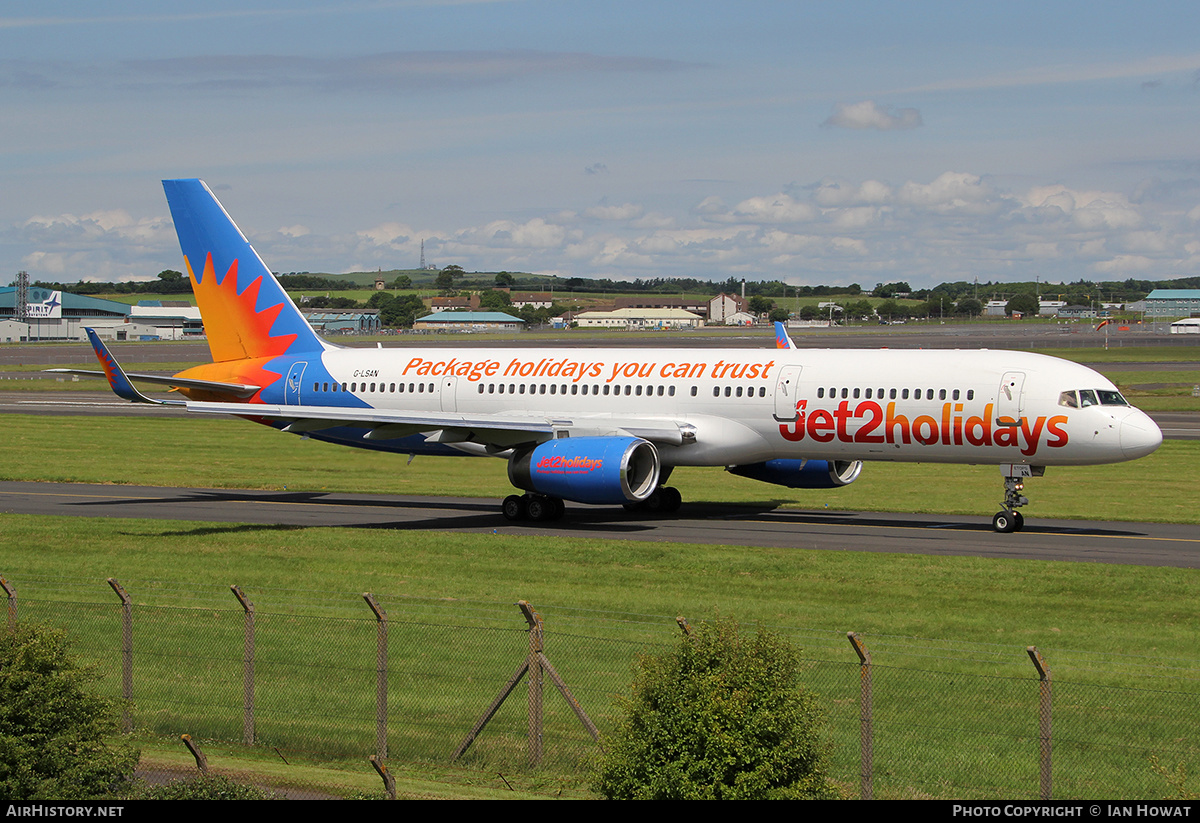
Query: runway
{"x": 1143, "y": 544}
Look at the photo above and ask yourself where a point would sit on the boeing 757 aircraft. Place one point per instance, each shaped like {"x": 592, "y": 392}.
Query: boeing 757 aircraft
{"x": 608, "y": 426}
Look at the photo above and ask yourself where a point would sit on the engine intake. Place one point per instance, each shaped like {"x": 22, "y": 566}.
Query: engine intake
{"x": 603, "y": 470}
{"x": 802, "y": 474}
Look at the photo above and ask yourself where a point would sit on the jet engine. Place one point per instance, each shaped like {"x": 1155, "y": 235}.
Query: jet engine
{"x": 802, "y": 474}
{"x": 603, "y": 470}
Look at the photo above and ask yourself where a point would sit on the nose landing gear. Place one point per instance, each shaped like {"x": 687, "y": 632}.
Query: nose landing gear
{"x": 1009, "y": 519}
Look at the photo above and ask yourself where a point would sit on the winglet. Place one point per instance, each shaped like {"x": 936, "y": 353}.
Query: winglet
{"x": 116, "y": 375}
{"x": 782, "y": 341}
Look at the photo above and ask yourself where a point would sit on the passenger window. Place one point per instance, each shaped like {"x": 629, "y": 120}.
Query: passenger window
{"x": 820, "y": 392}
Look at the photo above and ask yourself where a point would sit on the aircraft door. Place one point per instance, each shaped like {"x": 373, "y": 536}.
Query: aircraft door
{"x": 449, "y": 396}
{"x": 1010, "y": 402}
{"x": 787, "y": 391}
{"x": 291, "y": 388}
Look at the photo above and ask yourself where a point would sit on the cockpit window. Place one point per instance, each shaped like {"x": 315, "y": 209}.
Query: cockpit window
{"x": 1068, "y": 399}
{"x": 1111, "y": 398}
{"x": 1087, "y": 397}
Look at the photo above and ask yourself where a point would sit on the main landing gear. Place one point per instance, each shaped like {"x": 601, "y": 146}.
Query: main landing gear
{"x": 1011, "y": 520}
{"x": 539, "y": 508}
{"x": 542, "y": 508}
{"x": 663, "y": 500}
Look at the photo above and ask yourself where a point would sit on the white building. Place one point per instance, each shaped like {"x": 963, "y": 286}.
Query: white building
{"x": 640, "y": 319}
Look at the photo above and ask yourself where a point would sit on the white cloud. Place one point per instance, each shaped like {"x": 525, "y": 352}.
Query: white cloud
{"x": 870, "y": 115}
{"x": 952, "y": 192}
{"x": 956, "y": 225}
{"x": 840, "y": 193}
{"x": 628, "y": 211}
{"x": 776, "y": 208}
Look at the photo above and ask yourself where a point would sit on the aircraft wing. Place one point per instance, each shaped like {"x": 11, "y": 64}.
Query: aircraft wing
{"x": 498, "y": 430}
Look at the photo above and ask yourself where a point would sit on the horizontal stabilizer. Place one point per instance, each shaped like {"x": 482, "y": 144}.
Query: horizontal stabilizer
{"x": 235, "y": 389}
{"x": 117, "y": 379}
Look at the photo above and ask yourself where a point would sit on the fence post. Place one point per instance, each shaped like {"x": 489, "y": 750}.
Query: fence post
{"x": 1044, "y": 727}
{"x": 12, "y": 603}
{"x": 866, "y": 712}
{"x": 381, "y": 671}
{"x": 534, "y": 664}
{"x": 126, "y": 654}
{"x": 247, "y": 667}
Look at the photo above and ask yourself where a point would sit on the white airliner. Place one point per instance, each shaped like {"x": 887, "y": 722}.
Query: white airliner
{"x": 607, "y": 426}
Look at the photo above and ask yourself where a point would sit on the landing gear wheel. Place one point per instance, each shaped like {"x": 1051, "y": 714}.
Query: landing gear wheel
{"x": 1020, "y": 521}
{"x": 663, "y": 500}
{"x": 514, "y": 508}
{"x": 672, "y": 499}
{"x": 1005, "y": 522}
{"x": 541, "y": 509}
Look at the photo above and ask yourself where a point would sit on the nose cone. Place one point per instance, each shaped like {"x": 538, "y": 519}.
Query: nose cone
{"x": 1139, "y": 435}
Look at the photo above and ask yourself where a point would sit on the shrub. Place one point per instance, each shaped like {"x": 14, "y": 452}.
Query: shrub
{"x": 52, "y": 728}
{"x": 204, "y": 787}
{"x": 721, "y": 716}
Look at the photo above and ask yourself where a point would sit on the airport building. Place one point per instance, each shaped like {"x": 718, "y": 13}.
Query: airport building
{"x": 469, "y": 321}
{"x": 344, "y": 321}
{"x": 57, "y": 315}
{"x": 1164, "y": 303}
{"x": 632, "y": 318}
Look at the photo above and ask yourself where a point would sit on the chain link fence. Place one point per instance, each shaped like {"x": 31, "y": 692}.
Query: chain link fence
{"x": 460, "y": 695}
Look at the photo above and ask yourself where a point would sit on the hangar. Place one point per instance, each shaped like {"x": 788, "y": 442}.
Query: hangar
{"x": 61, "y": 316}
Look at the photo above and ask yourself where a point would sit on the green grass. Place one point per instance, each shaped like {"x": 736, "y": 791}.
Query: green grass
{"x": 955, "y": 715}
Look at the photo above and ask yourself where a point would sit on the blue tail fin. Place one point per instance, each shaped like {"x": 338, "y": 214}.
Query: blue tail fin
{"x": 246, "y": 312}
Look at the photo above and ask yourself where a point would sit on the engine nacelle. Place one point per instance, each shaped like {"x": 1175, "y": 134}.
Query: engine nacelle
{"x": 802, "y": 474}
{"x": 603, "y": 470}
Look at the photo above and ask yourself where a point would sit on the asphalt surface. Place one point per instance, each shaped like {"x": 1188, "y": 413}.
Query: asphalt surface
{"x": 1143, "y": 544}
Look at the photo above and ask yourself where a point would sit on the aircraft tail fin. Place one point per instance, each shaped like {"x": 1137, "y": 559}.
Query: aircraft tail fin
{"x": 246, "y": 313}
{"x": 782, "y": 340}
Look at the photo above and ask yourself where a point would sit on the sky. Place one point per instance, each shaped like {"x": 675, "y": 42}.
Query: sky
{"x": 810, "y": 142}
